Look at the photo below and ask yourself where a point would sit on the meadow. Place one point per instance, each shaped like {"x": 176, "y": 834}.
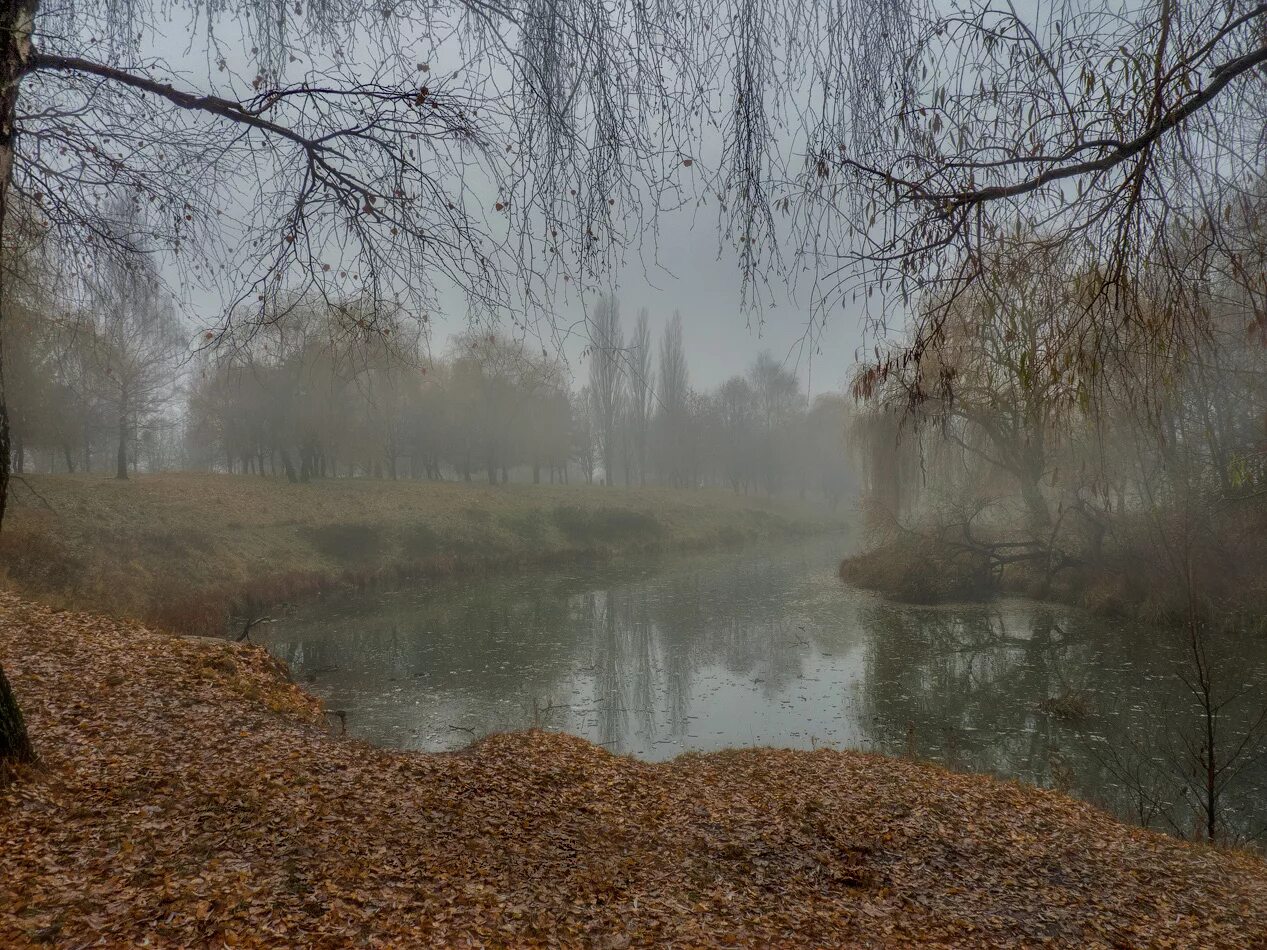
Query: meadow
{"x": 195, "y": 552}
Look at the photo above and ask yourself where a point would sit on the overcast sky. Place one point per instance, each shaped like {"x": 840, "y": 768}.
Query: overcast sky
{"x": 683, "y": 269}
{"x": 721, "y": 338}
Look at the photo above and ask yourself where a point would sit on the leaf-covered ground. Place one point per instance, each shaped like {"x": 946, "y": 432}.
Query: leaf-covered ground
{"x": 190, "y": 796}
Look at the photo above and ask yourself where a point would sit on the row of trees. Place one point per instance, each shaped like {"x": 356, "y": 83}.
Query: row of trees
{"x": 1083, "y": 458}
{"x": 317, "y": 397}
{"x": 90, "y": 382}
{"x": 755, "y": 432}
{"x": 326, "y": 389}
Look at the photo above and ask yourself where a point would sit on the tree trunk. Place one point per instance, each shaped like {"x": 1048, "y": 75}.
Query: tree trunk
{"x": 15, "y": 744}
{"x": 121, "y": 462}
{"x": 17, "y": 20}
{"x": 289, "y": 467}
{"x": 1036, "y": 506}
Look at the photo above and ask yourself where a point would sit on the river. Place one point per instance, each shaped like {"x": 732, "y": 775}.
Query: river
{"x": 677, "y": 654}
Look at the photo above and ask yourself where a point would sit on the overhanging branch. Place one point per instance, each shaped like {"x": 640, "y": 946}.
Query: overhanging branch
{"x": 1123, "y": 151}
{"x": 219, "y": 106}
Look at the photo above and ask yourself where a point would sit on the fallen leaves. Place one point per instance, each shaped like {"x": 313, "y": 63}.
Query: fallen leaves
{"x": 190, "y": 795}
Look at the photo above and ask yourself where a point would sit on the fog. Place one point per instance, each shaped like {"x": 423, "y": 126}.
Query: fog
{"x": 320, "y": 394}
{"x": 540, "y": 391}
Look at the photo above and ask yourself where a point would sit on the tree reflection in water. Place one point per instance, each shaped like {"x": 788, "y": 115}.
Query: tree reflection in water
{"x": 654, "y": 658}
{"x": 1056, "y": 697}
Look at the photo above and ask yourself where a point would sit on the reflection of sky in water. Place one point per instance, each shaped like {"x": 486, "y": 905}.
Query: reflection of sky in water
{"x": 748, "y": 648}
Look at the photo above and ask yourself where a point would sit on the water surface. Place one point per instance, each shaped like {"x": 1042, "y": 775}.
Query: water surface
{"x": 767, "y": 647}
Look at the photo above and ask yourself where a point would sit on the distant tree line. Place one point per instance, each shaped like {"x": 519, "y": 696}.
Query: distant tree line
{"x": 92, "y": 374}
{"x": 333, "y": 390}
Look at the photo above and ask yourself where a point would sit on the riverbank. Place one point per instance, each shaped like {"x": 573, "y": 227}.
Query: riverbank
{"x": 190, "y": 795}
{"x": 1132, "y": 573}
{"x": 184, "y": 551}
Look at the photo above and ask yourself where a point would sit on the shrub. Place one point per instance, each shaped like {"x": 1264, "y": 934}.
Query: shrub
{"x": 40, "y": 561}
{"x": 924, "y": 573}
{"x": 605, "y": 525}
{"x": 346, "y": 542}
{"x": 422, "y": 542}
{"x": 527, "y": 525}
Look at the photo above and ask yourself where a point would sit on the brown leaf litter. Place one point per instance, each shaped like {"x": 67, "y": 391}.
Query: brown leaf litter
{"x": 189, "y": 795}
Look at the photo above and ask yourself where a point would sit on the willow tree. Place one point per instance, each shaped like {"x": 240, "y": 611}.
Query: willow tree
{"x": 1110, "y": 132}
{"x": 508, "y": 147}
{"x": 1005, "y": 409}
{"x": 502, "y": 148}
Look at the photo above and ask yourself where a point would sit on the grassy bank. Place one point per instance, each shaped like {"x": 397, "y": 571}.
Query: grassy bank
{"x": 183, "y": 550}
{"x": 926, "y": 572}
{"x": 189, "y": 795}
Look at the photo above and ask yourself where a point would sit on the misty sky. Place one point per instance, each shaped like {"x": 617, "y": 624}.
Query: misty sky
{"x": 721, "y": 339}
{"x": 684, "y": 269}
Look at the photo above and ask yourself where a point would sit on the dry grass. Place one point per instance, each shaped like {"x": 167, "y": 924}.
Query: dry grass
{"x": 184, "y": 550}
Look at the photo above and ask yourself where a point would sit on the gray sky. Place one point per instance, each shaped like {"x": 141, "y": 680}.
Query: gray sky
{"x": 721, "y": 338}
{"x": 683, "y": 269}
